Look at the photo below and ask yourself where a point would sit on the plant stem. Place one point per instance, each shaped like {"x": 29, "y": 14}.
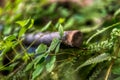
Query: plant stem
{"x": 116, "y": 51}
{"x": 109, "y": 70}
{"x": 104, "y": 29}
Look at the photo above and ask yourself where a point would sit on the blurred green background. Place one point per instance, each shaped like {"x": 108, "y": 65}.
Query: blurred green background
{"x": 87, "y": 16}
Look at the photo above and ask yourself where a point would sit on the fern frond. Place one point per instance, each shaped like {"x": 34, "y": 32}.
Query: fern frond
{"x": 101, "y": 46}
{"x": 98, "y": 59}
{"x": 97, "y": 71}
{"x": 101, "y": 31}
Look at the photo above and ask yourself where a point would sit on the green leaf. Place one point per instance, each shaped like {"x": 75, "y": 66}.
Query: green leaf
{"x": 69, "y": 23}
{"x": 10, "y": 67}
{"x": 22, "y": 31}
{"x": 50, "y": 64}
{"x": 57, "y": 25}
{"x": 46, "y": 26}
{"x": 116, "y": 69}
{"x": 41, "y": 48}
{"x": 98, "y": 59}
{"x": 10, "y": 38}
{"x": 5, "y": 51}
{"x": 7, "y": 29}
{"x": 25, "y": 24}
{"x": 118, "y": 78}
{"x": 57, "y": 48}
{"x": 37, "y": 71}
{"x": 39, "y": 59}
{"x": 61, "y": 20}
{"x": 26, "y": 57}
{"x": 17, "y": 56}
{"x": 30, "y": 24}
{"x": 61, "y": 32}
{"x": 54, "y": 44}
{"x": 29, "y": 66}
{"x": 117, "y": 13}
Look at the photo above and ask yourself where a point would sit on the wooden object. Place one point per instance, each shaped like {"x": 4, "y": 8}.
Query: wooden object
{"x": 70, "y": 38}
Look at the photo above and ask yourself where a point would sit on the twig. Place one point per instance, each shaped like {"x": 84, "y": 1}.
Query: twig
{"x": 109, "y": 70}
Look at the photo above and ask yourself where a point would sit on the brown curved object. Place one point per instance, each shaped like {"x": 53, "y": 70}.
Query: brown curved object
{"x": 82, "y": 3}
{"x": 70, "y": 38}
